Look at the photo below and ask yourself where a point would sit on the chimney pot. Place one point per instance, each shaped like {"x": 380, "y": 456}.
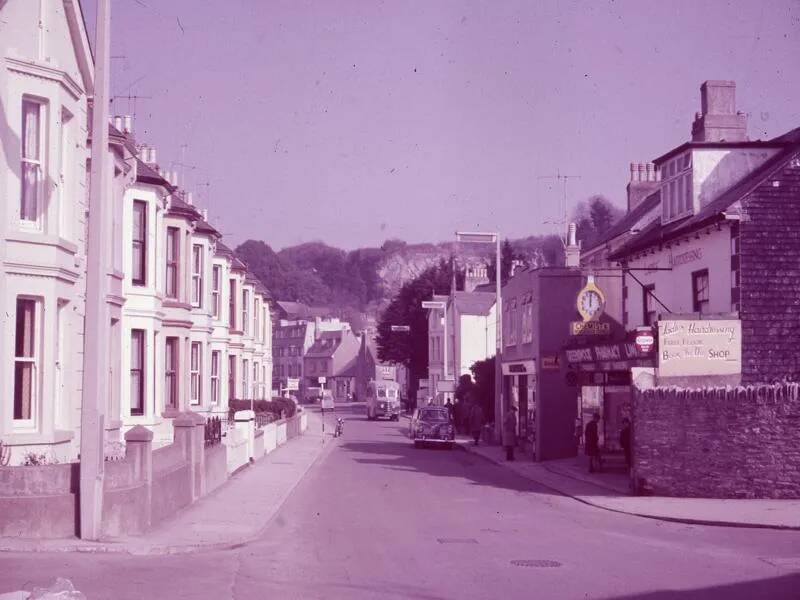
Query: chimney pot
{"x": 189, "y": 198}
{"x": 152, "y": 158}
{"x": 128, "y": 124}
{"x": 118, "y": 123}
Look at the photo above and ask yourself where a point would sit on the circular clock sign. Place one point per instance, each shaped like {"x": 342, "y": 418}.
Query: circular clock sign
{"x": 591, "y": 301}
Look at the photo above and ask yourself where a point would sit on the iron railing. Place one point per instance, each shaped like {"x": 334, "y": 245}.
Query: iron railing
{"x": 213, "y": 431}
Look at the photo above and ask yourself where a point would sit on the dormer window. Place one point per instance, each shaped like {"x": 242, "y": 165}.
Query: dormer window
{"x": 676, "y": 188}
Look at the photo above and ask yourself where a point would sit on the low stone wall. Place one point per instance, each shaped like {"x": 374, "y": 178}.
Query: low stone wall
{"x": 282, "y": 433}
{"x": 741, "y": 442}
{"x": 216, "y": 467}
{"x": 39, "y": 501}
{"x": 146, "y": 487}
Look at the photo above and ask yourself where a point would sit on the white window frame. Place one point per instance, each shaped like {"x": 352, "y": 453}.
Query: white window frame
{"x": 196, "y": 373}
{"x": 172, "y": 269}
{"x": 38, "y": 163}
{"x": 245, "y": 312}
{"x": 142, "y": 369}
{"x": 139, "y": 246}
{"x": 676, "y": 188}
{"x": 256, "y": 320}
{"x": 34, "y": 360}
{"x": 216, "y": 356}
{"x": 197, "y": 275}
{"x": 216, "y": 290}
{"x": 245, "y": 378}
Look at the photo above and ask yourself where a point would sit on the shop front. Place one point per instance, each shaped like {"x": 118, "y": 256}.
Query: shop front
{"x": 602, "y": 373}
{"x": 519, "y": 381}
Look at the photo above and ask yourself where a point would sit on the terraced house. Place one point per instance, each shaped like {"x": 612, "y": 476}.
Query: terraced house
{"x": 189, "y": 326}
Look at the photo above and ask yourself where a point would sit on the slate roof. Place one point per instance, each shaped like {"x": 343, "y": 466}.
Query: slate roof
{"x": 147, "y": 174}
{"x": 656, "y": 233}
{"x": 223, "y": 250}
{"x": 474, "y": 303}
{"x": 325, "y": 345}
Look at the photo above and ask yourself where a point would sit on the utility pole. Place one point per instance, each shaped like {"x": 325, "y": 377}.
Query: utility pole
{"x": 564, "y": 205}
{"x": 96, "y": 323}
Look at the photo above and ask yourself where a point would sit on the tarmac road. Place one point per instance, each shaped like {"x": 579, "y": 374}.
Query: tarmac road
{"x": 377, "y": 518}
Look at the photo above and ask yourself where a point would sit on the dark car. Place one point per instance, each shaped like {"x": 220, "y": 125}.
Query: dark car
{"x": 432, "y": 424}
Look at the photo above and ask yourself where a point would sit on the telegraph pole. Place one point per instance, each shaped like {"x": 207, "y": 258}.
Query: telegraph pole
{"x": 96, "y": 323}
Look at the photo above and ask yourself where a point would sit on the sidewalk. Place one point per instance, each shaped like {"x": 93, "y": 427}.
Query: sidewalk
{"x": 609, "y": 491}
{"x": 231, "y": 516}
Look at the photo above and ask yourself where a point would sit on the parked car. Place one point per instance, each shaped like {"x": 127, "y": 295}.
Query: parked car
{"x": 432, "y": 424}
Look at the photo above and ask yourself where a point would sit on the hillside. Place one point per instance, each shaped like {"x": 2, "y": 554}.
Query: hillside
{"x": 365, "y": 279}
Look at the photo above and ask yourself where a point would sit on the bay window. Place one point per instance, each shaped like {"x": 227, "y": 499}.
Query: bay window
{"x": 171, "y": 373}
{"x": 173, "y": 255}
{"x": 139, "y": 243}
{"x": 26, "y": 359}
{"x": 195, "y": 372}
{"x": 32, "y": 157}
{"x": 137, "y": 371}
{"x": 197, "y": 275}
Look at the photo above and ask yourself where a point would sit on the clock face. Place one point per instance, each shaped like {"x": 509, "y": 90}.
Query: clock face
{"x": 591, "y": 302}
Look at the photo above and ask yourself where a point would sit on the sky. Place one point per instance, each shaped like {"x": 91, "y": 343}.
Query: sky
{"x": 352, "y": 122}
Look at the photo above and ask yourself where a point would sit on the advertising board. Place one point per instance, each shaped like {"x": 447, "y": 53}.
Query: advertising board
{"x": 699, "y": 347}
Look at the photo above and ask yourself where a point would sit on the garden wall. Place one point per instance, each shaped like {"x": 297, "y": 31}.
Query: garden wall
{"x": 741, "y": 442}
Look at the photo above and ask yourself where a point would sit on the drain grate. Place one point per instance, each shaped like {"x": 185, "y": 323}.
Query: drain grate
{"x": 536, "y": 563}
{"x": 457, "y": 540}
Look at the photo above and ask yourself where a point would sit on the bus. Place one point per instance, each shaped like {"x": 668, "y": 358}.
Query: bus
{"x": 383, "y": 400}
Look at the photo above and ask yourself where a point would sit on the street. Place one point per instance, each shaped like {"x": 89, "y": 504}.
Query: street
{"x": 377, "y": 518}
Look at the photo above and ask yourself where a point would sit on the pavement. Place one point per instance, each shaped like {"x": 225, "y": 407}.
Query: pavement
{"x": 231, "y": 516}
{"x": 611, "y": 491}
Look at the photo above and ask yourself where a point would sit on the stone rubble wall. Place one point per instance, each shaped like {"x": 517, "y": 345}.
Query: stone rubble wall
{"x": 741, "y": 442}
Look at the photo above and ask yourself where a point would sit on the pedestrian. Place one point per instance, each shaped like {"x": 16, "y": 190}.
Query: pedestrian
{"x": 592, "y": 441}
{"x": 510, "y": 432}
{"x": 476, "y": 421}
{"x": 449, "y": 406}
{"x": 625, "y": 440}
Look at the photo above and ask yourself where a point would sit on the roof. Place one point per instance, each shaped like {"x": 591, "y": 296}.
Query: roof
{"x": 348, "y": 370}
{"x": 628, "y": 222}
{"x": 148, "y": 174}
{"x": 298, "y": 310}
{"x": 178, "y": 206}
{"x": 656, "y": 233}
{"x": 223, "y": 250}
{"x": 325, "y": 345}
{"x": 775, "y": 142}
{"x": 203, "y": 226}
{"x": 474, "y": 303}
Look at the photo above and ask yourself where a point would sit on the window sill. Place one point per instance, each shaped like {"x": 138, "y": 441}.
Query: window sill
{"x": 25, "y": 439}
{"x": 172, "y": 303}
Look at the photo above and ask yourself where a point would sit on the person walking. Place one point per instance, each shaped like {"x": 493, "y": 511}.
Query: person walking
{"x": 449, "y": 406}
{"x": 625, "y": 440}
{"x": 592, "y": 441}
{"x": 510, "y": 432}
{"x": 476, "y": 421}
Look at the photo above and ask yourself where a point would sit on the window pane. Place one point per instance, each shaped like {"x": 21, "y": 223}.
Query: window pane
{"x": 24, "y": 342}
{"x": 31, "y": 186}
{"x": 30, "y": 129}
{"x": 23, "y": 390}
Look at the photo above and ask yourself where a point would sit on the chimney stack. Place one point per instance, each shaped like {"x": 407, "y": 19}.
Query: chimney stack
{"x": 718, "y": 120}
{"x": 644, "y": 181}
{"x": 189, "y": 198}
{"x": 573, "y": 250}
{"x": 118, "y": 123}
{"x": 127, "y": 124}
{"x": 475, "y": 276}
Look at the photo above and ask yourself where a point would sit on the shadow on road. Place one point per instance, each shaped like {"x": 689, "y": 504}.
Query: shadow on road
{"x": 399, "y": 453}
{"x": 775, "y": 588}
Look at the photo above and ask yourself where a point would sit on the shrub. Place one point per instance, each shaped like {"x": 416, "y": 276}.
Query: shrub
{"x": 277, "y": 406}
{"x": 32, "y": 459}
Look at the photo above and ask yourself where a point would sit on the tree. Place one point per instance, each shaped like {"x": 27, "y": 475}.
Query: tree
{"x": 594, "y": 218}
{"x": 483, "y": 373}
{"x": 507, "y": 258}
{"x": 411, "y": 348}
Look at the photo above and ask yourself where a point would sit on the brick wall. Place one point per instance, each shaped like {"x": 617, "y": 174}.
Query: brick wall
{"x": 770, "y": 278}
{"x": 739, "y": 442}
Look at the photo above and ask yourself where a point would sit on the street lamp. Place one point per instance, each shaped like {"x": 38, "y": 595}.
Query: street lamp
{"x": 475, "y": 237}
{"x": 440, "y": 305}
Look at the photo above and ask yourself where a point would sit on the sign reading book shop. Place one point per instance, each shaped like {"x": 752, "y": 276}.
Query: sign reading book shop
{"x": 692, "y": 347}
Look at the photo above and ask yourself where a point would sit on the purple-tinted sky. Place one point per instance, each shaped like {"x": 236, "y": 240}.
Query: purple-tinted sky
{"x": 355, "y": 121}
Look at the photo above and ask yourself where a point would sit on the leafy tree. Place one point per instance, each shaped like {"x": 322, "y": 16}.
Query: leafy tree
{"x": 594, "y": 218}
{"x": 411, "y": 348}
{"x": 483, "y": 373}
{"x": 507, "y": 258}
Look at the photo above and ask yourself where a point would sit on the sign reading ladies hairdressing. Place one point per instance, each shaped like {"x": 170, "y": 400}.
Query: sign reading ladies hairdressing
{"x": 710, "y": 347}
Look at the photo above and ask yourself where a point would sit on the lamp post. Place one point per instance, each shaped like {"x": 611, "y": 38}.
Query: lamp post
{"x": 475, "y": 237}
{"x": 440, "y": 305}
